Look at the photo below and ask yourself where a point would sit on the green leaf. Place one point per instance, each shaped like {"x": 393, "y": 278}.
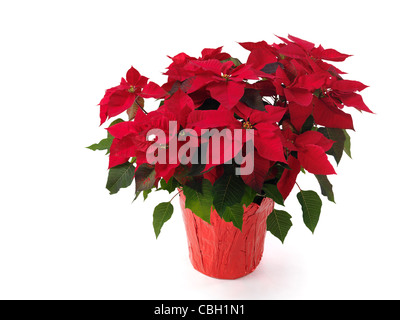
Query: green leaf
{"x": 120, "y": 177}
{"x": 146, "y": 193}
{"x": 162, "y": 213}
{"x": 308, "y": 124}
{"x": 235, "y": 214}
{"x": 209, "y": 104}
{"x": 248, "y": 196}
{"x": 271, "y": 68}
{"x": 252, "y": 98}
{"x": 234, "y": 60}
{"x": 104, "y": 144}
{"x": 196, "y": 169}
{"x": 145, "y": 177}
{"x": 311, "y": 205}
{"x": 271, "y": 191}
{"x": 282, "y": 165}
{"x": 326, "y": 187}
{"x": 279, "y": 224}
{"x": 170, "y": 186}
{"x": 199, "y": 202}
{"x": 196, "y": 184}
{"x": 227, "y": 191}
{"x": 337, "y": 135}
{"x": 181, "y": 174}
{"x": 137, "y": 194}
{"x": 347, "y": 143}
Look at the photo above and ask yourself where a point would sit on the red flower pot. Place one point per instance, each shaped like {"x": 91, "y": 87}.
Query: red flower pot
{"x": 222, "y": 251}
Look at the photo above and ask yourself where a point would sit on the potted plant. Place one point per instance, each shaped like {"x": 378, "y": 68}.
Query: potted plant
{"x": 231, "y": 138}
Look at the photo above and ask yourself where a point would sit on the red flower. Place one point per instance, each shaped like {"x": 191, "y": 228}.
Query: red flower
{"x": 267, "y": 135}
{"x": 311, "y": 148}
{"x": 311, "y": 152}
{"x": 217, "y": 53}
{"x": 180, "y": 69}
{"x": 288, "y": 178}
{"x": 223, "y": 81}
{"x": 177, "y": 70}
{"x": 292, "y": 89}
{"x": 179, "y": 104}
{"x": 257, "y": 178}
{"x": 245, "y": 137}
{"x": 326, "y": 113}
{"x": 220, "y": 119}
{"x": 295, "y": 85}
{"x": 299, "y": 49}
{"x": 120, "y": 98}
{"x": 130, "y": 140}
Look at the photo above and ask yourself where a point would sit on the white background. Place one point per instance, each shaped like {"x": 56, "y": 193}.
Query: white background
{"x": 62, "y": 236}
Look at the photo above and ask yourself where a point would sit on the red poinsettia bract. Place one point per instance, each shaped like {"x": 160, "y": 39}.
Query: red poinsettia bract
{"x": 120, "y": 98}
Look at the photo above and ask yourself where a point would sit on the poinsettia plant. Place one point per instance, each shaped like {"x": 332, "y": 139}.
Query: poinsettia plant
{"x": 227, "y": 133}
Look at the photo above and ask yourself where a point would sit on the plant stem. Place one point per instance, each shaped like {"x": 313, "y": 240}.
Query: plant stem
{"x": 145, "y": 112}
{"x": 173, "y": 197}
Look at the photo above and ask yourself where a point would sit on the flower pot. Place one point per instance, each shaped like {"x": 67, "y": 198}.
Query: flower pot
{"x": 222, "y": 251}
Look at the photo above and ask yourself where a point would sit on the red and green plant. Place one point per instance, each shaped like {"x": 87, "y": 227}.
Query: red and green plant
{"x": 288, "y": 93}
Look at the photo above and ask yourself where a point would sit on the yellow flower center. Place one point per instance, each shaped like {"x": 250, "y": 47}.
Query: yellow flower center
{"x": 247, "y": 125}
